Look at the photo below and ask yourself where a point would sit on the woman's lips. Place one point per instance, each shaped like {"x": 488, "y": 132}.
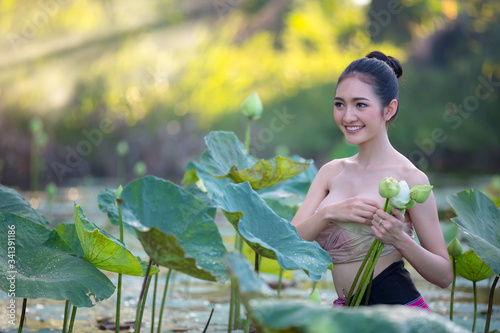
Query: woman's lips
{"x": 353, "y": 129}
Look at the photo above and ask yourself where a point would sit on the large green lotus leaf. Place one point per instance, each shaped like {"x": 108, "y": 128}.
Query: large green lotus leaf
{"x": 44, "y": 269}
{"x": 68, "y": 241}
{"x": 479, "y": 219}
{"x": 107, "y": 204}
{"x": 298, "y": 185}
{"x": 206, "y": 182}
{"x": 286, "y": 316}
{"x": 226, "y": 156}
{"x": 168, "y": 219}
{"x": 203, "y": 197}
{"x": 249, "y": 284}
{"x": 102, "y": 249}
{"x": 67, "y": 233}
{"x": 284, "y": 204}
{"x": 268, "y": 234}
{"x": 472, "y": 268}
{"x": 12, "y": 202}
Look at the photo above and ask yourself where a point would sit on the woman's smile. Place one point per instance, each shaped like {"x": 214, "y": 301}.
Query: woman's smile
{"x": 353, "y": 129}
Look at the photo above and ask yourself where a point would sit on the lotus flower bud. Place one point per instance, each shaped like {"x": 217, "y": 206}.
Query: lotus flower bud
{"x": 118, "y": 192}
{"x": 252, "y": 107}
{"x": 401, "y": 199}
{"x": 410, "y": 204}
{"x": 420, "y": 193}
{"x": 388, "y": 187}
{"x": 455, "y": 248}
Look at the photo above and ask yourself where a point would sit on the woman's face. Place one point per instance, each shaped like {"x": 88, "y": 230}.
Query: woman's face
{"x": 358, "y": 111}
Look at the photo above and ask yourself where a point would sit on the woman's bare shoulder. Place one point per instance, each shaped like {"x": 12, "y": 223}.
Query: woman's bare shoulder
{"x": 332, "y": 168}
{"x": 410, "y": 173}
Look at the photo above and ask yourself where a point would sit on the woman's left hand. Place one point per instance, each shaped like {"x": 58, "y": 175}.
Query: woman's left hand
{"x": 387, "y": 228}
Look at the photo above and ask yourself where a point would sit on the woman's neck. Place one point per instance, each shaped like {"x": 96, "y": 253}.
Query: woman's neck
{"x": 376, "y": 151}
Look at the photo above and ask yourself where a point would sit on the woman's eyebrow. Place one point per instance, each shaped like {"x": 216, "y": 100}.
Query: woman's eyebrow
{"x": 354, "y": 99}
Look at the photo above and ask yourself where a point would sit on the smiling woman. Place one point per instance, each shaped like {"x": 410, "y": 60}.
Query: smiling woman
{"x": 343, "y": 209}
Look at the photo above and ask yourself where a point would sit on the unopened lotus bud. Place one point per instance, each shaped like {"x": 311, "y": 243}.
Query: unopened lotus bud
{"x": 388, "y": 187}
{"x": 455, "y": 248}
{"x": 252, "y": 107}
{"x": 420, "y": 193}
{"x": 410, "y": 204}
{"x": 118, "y": 192}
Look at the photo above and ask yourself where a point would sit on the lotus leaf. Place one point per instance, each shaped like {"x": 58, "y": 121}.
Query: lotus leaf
{"x": 207, "y": 182}
{"x": 268, "y": 234}
{"x": 44, "y": 270}
{"x": 266, "y": 265}
{"x": 175, "y": 228}
{"x": 249, "y": 284}
{"x": 103, "y": 250}
{"x": 299, "y": 184}
{"x": 479, "y": 219}
{"x": 226, "y": 156}
{"x": 286, "y": 316}
{"x": 472, "y": 268}
{"x": 107, "y": 204}
{"x": 12, "y": 202}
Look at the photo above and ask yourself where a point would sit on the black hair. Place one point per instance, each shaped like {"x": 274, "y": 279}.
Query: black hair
{"x": 379, "y": 71}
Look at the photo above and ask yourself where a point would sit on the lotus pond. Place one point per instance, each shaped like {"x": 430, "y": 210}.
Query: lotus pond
{"x": 74, "y": 227}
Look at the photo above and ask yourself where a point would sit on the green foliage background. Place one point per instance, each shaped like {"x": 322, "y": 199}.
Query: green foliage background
{"x": 162, "y": 74}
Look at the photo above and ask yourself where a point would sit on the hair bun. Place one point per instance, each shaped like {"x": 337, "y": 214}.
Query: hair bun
{"x": 391, "y": 61}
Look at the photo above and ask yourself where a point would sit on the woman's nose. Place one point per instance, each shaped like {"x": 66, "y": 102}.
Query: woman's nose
{"x": 350, "y": 115}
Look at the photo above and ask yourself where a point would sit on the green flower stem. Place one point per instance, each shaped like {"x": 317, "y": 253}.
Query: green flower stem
{"x": 118, "y": 303}
{"x": 231, "y": 307}
{"x": 72, "y": 321}
{"x": 119, "y": 287}
{"x": 452, "y": 297}
{"x": 368, "y": 290}
{"x": 154, "y": 302}
{"x": 256, "y": 263}
{"x": 142, "y": 299}
{"x": 237, "y": 308}
{"x": 370, "y": 261}
{"x": 280, "y": 281}
{"x": 490, "y": 304}
{"x": 475, "y": 305}
{"x": 143, "y": 305}
{"x": 247, "y": 325}
{"x": 247, "y": 134}
{"x": 368, "y": 272}
{"x": 23, "y": 314}
{"x": 66, "y": 315}
{"x": 355, "y": 282}
{"x": 163, "y": 299}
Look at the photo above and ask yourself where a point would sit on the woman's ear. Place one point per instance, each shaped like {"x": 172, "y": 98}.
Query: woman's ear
{"x": 390, "y": 110}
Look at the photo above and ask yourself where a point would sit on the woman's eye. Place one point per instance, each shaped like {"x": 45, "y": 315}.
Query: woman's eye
{"x": 338, "y": 105}
{"x": 361, "y": 105}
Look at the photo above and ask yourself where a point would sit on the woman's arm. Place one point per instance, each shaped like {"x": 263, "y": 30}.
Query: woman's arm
{"x": 431, "y": 259}
{"x": 307, "y": 223}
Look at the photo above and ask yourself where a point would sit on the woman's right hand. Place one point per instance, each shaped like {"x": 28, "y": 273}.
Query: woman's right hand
{"x": 355, "y": 209}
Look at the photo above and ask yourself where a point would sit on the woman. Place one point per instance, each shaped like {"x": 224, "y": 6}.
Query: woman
{"x": 343, "y": 209}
